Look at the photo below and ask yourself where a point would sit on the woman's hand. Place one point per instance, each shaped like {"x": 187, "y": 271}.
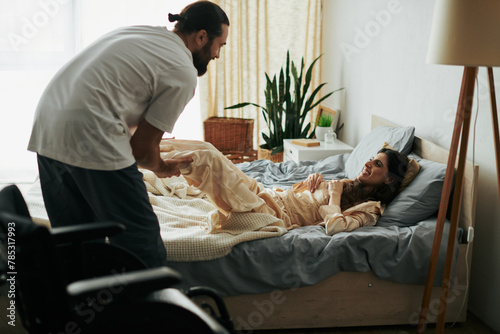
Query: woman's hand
{"x": 335, "y": 189}
{"x": 172, "y": 167}
{"x": 313, "y": 181}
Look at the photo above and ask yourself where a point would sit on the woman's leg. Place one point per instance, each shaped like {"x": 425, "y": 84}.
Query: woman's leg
{"x": 226, "y": 186}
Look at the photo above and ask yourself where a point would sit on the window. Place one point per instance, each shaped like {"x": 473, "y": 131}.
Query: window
{"x": 36, "y": 38}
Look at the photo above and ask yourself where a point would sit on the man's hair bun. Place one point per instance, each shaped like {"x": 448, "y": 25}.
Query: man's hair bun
{"x": 175, "y": 17}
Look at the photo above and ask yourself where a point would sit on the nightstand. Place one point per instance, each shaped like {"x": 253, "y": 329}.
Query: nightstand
{"x": 299, "y": 153}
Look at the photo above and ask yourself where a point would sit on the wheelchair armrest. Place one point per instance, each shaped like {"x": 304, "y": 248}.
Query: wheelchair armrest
{"x": 85, "y": 232}
{"x": 127, "y": 285}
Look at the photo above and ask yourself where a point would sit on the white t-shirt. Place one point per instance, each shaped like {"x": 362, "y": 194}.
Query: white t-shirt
{"x": 92, "y": 106}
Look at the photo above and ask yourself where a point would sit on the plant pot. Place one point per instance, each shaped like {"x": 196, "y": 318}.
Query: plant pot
{"x": 263, "y": 153}
{"x": 320, "y": 132}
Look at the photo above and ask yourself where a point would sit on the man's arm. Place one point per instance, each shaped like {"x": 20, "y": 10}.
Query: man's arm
{"x": 146, "y": 150}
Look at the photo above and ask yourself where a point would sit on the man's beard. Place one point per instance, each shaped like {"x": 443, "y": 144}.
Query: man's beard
{"x": 202, "y": 58}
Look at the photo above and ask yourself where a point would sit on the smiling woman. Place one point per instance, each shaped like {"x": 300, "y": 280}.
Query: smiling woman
{"x": 380, "y": 180}
{"x": 375, "y": 171}
{"x": 40, "y": 37}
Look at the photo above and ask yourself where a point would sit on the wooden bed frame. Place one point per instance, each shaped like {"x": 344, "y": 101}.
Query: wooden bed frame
{"x": 361, "y": 299}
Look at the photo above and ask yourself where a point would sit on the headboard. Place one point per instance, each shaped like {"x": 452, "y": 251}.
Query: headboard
{"x": 431, "y": 151}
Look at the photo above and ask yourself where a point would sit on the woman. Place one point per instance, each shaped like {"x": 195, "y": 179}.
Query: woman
{"x": 339, "y": 205}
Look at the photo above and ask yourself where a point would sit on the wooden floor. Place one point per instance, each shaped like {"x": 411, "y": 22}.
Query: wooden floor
{"x": 471, "y": 326}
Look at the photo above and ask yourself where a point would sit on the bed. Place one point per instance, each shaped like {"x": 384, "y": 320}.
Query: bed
{"x": 371, "y": 276}
{"x": 274, "y": 279}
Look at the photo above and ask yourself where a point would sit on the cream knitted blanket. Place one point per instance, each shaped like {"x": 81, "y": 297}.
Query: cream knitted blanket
{"x": 190, "y": 225}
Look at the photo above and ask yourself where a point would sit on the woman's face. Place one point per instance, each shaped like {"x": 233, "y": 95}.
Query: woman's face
{"x": 375, "y": 171}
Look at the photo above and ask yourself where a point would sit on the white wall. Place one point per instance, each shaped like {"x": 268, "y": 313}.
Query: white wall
{"x": 376, "y": 49}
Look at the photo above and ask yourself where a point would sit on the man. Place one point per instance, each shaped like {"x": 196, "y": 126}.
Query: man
{"x": 104, "y": 114}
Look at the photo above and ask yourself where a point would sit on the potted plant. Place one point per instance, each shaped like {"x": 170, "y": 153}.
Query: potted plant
{"x": 323, "y": 125}
{"x": 287, "y": 107}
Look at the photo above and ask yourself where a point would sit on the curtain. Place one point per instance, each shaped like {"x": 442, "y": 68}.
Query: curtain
{"x": 260, "y": 34}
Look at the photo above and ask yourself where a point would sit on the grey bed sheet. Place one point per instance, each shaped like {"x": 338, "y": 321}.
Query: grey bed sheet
{"x": 306, "y": 256}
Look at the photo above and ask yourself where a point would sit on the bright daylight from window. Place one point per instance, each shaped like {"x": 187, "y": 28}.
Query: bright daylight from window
{"x": 36, "y": 38}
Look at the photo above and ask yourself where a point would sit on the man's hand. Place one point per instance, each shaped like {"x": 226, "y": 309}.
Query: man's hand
{"x": 172, "y": 167}
{"x": 145, "y": 145}
{"x": 313, "y": 181}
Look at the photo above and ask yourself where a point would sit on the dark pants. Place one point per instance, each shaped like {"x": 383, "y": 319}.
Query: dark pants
{"x": 74, "y": 195}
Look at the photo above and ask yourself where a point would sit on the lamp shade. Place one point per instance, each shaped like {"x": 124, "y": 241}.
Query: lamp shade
{"x": 465, "y": 32}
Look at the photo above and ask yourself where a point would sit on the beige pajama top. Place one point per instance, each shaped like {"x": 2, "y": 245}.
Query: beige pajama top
{"x": 306, "y": 208}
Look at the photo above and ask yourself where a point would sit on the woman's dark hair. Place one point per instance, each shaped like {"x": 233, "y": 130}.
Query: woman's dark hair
{"x": 353, "y": 192}
{"x": 200, "y": 15}
{"x": 398, "y": 165}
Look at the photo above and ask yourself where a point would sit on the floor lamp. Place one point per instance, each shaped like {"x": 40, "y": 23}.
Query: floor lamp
{"x": 466, "y": 33}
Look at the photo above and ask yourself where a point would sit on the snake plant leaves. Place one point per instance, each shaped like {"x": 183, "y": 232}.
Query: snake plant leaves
{"x": 286, "y": 111}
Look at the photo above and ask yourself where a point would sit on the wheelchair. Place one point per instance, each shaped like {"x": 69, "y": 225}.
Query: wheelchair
{"x": 66, "y": 283}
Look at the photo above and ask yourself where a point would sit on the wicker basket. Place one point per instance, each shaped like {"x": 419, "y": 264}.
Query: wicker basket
{"x": 266, "y": 154}
{"x": 242, "y": 157}
{"x": 232, "y": 136}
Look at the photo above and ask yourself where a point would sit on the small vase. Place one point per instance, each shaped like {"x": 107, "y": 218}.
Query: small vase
{"x": 321, "y": 131}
